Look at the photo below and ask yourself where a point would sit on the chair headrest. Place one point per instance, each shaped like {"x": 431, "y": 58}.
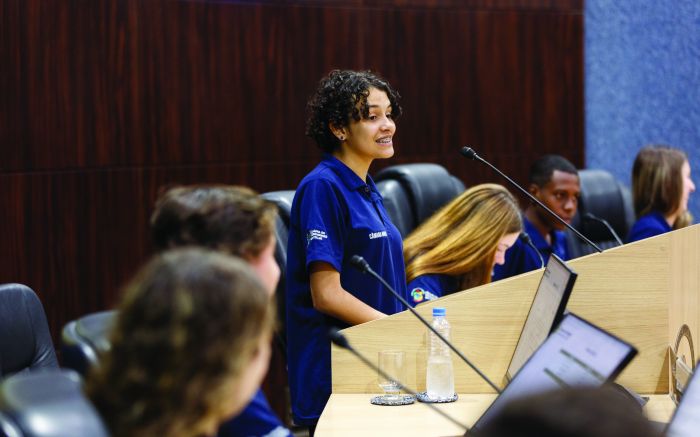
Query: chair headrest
{"x": 429, "y": 186}
{"x": 602, "y": 195}
{"x": 48, "y": 404}
{"x": 397, "y": 205}
{"x": 283, "y": 199}
{"x": 25, "y": 341}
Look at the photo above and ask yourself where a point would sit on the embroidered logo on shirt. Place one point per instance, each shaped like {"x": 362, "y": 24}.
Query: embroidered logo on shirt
{"x": 315, "y": 234}
{"x": 381, "y": 234}
{"x": 419, "y": 295}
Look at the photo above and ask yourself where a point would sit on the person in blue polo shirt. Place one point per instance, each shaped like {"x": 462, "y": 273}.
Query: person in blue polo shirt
{"x": 661, "y": 185}
{"x": 457, "y": 247}
{"x": 555, "y": 182}
{"x": 337, "y": 212}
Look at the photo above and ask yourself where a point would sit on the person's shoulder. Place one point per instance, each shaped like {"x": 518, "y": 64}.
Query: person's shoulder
{"x": 648, "y": 225}
{"x": 256, "y": 419}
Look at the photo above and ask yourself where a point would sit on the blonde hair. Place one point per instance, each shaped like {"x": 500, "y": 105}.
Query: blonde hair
{"x": 657, "y": 182}
{"x": 188, "y": 325}
{"x": 461, "y": 238}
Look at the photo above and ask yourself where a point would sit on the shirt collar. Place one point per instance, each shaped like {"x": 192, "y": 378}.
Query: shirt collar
{"x": 537, "y": 238}
{"x": 349, "y": 178}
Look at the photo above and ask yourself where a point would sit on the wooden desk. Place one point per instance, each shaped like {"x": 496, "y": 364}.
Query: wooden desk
{"x": 353, "y": 415}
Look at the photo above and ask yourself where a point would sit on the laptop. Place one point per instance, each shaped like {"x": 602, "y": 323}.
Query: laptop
{"x": 546, "y": 311}
{"x": 577, "y": 353}
{"x": 686, "y": 419}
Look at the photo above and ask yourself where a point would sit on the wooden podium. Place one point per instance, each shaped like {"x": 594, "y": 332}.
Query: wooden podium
{"x": 643, "y": 292}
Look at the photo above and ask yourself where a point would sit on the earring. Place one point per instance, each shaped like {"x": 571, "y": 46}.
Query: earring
{"x": 341, "y": 138}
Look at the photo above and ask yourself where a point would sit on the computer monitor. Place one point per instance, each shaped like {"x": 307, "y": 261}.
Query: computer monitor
{"x": 686, "y": 419}
{"x": 546, "y": 310}
{"x": 576, "y": 354}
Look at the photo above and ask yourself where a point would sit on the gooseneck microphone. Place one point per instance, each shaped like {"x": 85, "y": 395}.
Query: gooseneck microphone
{"x": 340, "y": 340}
{"x": 525, "y": 238}
{"x": 471, "y": 154}
{"x": 359, "y": 263}
{"x": 589, "y": 216}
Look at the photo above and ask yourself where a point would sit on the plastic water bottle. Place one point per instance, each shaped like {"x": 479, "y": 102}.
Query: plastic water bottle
{"x": 440, "y": 381}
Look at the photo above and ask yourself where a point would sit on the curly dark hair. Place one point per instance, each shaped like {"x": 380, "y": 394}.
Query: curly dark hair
{"x": 189, "y": 324}
{"x": 234, "y": 219}
{"x": 340, "y": 96}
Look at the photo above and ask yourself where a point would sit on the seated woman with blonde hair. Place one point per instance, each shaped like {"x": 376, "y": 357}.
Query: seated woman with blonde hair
{"x": 661, "y": 185}
{"x": 458, "y": 246}
{"x": 190, "y": 346}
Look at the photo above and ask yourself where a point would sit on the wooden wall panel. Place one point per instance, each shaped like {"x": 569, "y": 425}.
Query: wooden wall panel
{"x": 102, "y": 102}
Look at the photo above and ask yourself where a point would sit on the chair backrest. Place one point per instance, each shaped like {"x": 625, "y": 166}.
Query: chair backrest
{"x": 25, "y": 340}
{"x": 47, "y": 404}
{"x": 283, "y": 200}
{"x": 84, "y": 339}
{"x": 397, "y": 205}
{"x": 604, "y": 197}
{"x": 426, "y": 187}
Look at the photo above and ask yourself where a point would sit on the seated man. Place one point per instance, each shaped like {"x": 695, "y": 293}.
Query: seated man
{"x": 554, "y": 181}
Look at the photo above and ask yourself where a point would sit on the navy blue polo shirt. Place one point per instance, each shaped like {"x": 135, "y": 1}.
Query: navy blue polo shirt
{"x": 256, "y": 420}
{"x": 521, "y": 258}
{"x": 430, "y": 287}
{"x": 334, "y": 216}
{"x": 647, "y": 226}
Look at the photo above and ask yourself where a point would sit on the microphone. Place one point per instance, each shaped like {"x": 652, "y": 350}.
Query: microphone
{"x": 359, "y": 263}
{"x": 525, "y": 238}
{"x": 589, "y": 216}
{"x": 471, "y": 154}
{"x": 340, "y": 340}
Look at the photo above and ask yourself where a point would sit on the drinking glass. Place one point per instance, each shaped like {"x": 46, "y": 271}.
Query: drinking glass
{"x": 391, "y": 362}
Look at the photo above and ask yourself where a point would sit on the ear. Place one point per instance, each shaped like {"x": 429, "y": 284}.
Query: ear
{"x": 340, "y": 132}
{"x": 534, "y": 189}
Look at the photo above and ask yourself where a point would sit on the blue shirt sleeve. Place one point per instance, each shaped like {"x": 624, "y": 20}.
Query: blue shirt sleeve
{"x": 424, "y": 288}
{"x": 256, "y": 420}
{"x": 322, "y": 222}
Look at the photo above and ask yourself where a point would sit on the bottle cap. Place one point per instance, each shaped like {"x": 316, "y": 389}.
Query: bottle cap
{"x": 438, "y": 311}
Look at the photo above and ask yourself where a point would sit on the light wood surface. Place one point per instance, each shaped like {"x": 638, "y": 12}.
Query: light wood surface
{"x": 353, "y": 415}
{"x": 642, "y": 292}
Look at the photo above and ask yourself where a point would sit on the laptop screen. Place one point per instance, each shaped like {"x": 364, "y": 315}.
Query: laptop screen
{"x": 686, "y": 418}
{"x": 546, "y": 311}
{"x": 577, "y": 353}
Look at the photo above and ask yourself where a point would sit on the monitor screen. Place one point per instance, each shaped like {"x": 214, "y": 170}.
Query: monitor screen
{"x": 577, "y": 353}
{"x": 546, "y": 311}
{"x": 686, "y": 419}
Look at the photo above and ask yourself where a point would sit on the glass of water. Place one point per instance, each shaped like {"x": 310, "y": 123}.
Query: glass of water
{"x": 391, "y": 363}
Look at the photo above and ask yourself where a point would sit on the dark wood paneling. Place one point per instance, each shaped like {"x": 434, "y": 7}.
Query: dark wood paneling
{"x": 102, "y": 102}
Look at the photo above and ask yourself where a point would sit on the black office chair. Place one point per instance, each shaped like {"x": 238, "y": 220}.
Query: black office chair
{"x": 397, "y": 205}
{"x": 25, "y": 340}
{"x": 47, "y": 404}
{"x": 84, "y": 339}
{"x": 603, "y": 197}
{"x": 427, "y": 187}
{"x": 283, "y": 200}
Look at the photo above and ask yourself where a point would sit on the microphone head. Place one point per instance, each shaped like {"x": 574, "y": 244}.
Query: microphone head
{"x": 359, "y": 263}
{"x": 468, "y": 152}
{"x": 338, "y": 338}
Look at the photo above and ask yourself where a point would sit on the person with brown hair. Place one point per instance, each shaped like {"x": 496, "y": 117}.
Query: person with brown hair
{"x": 661, "y": 185}
{"x": 237, "y": 221}
{"x": 457, "y": 247}
{"x": 227, "y": 218}
{"x": 190, "y": 346}
{"x": 337, "y": 213}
